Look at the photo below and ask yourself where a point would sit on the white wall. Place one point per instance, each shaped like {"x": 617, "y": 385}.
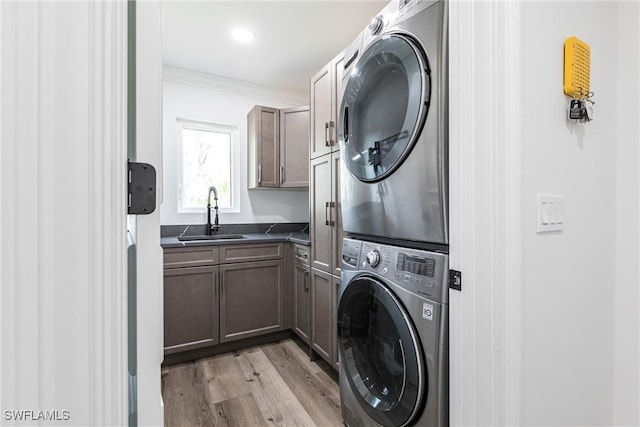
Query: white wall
{"x": 546, "y": 328}
{"x": 626, "y": 409}
{"x": 195, "y": 96}
{"x": 574, "y": 282}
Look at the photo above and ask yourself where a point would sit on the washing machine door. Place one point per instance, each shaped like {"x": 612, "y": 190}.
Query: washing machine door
{"x": 384, "y": 106}
{"x": 380, "y": 352}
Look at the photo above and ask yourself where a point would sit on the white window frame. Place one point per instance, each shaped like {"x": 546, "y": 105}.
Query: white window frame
{"x": 235, "y": 162}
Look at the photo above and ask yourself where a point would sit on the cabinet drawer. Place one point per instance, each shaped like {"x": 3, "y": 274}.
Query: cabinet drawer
{"x": 244, "y": 253}
{"x": 191, "y": 257}
{"x": 301, "y": 254}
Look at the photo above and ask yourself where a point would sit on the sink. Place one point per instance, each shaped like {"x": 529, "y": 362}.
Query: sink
{"x": 210, "y": 237}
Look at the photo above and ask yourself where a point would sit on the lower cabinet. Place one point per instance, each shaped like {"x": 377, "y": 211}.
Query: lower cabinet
{"x": 190, "y": 308}
{"x": 301, "y": 300}
{"x": 217, "y": 294}
{"x": 251, "y": 295}
{"x": 239, "y": 293}
{"x": 324, "y": 315}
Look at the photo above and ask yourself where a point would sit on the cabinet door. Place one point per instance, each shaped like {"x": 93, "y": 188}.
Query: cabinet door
{"x": 321, "y": 111}
{"x": 337, "y": 233}
{"x": 321, "y": 314}
{"x": 251, "y": 296}
{"x": 320, "y": 227}
{"x": 190, "y": 308}
{"x": 263, "y": 134}
{"x": 294, "y": 147}
{"x": 302, "y": 301}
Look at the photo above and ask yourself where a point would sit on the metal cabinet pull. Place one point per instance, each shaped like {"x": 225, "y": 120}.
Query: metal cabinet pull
{"x": 327, "y": 143}
{"x": 306, "y": 281}
{"x": 259, "y": 174}
{"x": 326, "y": 214}
{"x": 281, "y": 174}
{"x": 330, "y": 222}
{"x": 332, "y": 131}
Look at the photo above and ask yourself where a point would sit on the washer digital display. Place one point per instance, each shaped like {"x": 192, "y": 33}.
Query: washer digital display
{"x": 416, "y": 265}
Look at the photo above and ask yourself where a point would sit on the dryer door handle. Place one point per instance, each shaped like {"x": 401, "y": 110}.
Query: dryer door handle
{"x": 345, "y": 128}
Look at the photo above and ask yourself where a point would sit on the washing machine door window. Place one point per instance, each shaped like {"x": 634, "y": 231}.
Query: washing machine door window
{"x": 380, "y": 352}
{"x": 384, "y": 107}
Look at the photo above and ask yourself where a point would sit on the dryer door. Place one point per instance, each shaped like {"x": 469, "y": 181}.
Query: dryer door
{"x": 384, "y": 106}
{"x": 380, "y": 352}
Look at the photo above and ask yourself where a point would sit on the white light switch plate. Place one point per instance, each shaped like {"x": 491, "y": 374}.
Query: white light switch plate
{"x": 550, "y": 213}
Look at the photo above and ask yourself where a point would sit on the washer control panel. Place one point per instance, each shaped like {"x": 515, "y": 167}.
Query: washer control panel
{"x": 373, "y": 258}
{"x": 421, "y": 272}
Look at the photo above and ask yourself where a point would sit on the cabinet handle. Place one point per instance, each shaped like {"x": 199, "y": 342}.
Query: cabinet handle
{"x": 328, "y": 220}
{"x": 332, "y": 130}
{"x": 326, "y": 215}
{"x": 281, "y": 174}
{"x": 259, "y": 174}
{"x": 306, "y": 281}
{"x": 326, "y": 135}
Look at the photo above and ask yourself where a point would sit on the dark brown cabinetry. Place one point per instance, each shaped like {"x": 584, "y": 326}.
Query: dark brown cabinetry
{"x": 278, "y": 147}
{"x": 294, "y": 147}
{"x": 216, "y": 294}
{"x": 190, "y": 310}
{"x": 263, "y": 133}
{"x": 250, "y": 299}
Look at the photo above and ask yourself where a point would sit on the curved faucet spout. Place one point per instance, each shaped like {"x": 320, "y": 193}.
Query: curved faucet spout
{"x": 216, "y": 226}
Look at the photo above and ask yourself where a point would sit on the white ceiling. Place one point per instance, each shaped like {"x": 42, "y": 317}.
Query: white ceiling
{"x": 293, "y": 39}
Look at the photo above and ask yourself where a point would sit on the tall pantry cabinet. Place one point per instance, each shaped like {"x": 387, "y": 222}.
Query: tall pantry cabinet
{"x": 325, "y": 225}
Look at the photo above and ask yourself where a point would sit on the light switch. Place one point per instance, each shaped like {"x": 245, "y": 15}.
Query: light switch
{"x": 550, "y": 213}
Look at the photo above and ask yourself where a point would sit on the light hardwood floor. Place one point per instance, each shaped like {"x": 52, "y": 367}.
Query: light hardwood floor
{"x": 270, "y": 385}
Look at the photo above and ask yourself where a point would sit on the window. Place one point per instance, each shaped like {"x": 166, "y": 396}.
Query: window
{"x": 207, "y": 155}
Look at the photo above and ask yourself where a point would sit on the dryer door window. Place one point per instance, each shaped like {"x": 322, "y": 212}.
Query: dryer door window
{"x": 384, "y": 107}
{"x": 380, "y": 353}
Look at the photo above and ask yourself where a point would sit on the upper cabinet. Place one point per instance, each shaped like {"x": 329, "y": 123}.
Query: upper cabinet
{"x": 294, "y": 147}
{"x": 263, "y": 132}
{"x": 326, "y": 87}
{"x": 278, "y": 147}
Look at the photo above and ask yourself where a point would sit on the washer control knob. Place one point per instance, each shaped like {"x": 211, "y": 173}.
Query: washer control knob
{"x": 373, "y": 258}
{"x": 376, "y": 24}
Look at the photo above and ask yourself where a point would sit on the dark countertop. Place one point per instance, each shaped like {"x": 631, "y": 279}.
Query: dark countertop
{"x": 295, "y": 237}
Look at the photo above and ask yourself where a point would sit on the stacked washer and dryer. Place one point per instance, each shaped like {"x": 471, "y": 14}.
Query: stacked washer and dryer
{"x": 393, "y": 309}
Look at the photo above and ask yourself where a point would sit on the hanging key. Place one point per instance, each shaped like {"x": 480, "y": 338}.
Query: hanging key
{"x": 576, "y": 110}
{"x": 588, "y": 109}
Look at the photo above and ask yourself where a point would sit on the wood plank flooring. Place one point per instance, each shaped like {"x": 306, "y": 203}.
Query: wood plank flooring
{"x": 270, "y": 385}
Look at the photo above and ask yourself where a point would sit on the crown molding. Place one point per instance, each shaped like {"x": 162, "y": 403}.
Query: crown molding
{"x": 237, "y": 87}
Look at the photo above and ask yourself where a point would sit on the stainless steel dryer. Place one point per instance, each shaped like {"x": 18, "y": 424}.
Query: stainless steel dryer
{"x": 392, "y": 126}
{"x": 393, "y": 336}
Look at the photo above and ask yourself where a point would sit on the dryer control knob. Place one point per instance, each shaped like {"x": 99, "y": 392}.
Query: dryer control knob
{"x": 373, "y": 258}
{"x": 375, "y": 26}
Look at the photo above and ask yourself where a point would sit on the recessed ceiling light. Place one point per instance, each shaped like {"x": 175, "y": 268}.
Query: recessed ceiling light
{"x": 242, "y": 35}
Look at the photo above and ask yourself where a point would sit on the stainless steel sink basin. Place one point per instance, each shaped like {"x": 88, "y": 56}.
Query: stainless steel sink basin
{"x": 210, "y": 237}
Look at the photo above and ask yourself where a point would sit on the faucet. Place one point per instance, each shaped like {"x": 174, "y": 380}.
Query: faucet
{"x": 216, "y": 226}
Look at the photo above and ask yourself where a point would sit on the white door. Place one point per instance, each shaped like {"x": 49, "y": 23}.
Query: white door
{"x": 145, "y": 266}
{"x": 63, "y": 222}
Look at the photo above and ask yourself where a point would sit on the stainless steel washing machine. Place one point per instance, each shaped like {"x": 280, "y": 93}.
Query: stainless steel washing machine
{"x": 393, "y": 336}
{"x": 392, "y": 126}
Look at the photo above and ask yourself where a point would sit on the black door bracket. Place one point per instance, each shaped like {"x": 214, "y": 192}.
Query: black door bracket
{"x": 142, "y": 188}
